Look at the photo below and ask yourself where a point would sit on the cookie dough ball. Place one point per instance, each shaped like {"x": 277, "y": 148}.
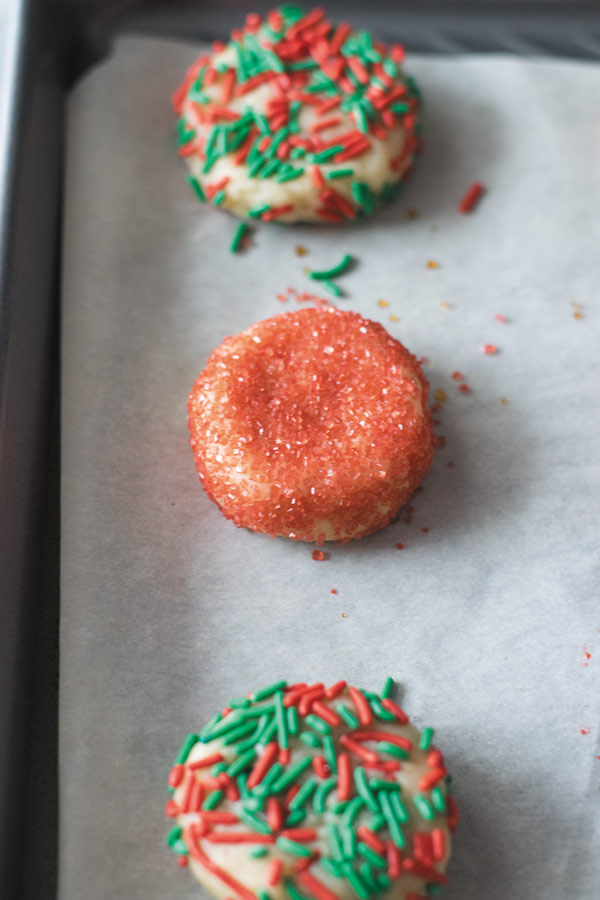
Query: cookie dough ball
{"x": 298, "y": 120}
{"x": 312, "y": 425}
{"x": 303, "y": 791}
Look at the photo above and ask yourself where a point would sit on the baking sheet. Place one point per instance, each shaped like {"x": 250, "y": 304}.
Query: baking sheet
{"x": 168, "y": 609}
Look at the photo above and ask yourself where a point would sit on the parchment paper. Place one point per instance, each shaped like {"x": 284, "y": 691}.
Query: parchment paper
{"x": 168, "y": 609}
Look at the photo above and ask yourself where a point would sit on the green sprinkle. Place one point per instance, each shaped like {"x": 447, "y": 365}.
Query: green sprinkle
{"x": 340, "y": 173}
{"x": 267, "y": 732}
{"x": 362, "y": 786}
{"x": 174, "y": 835}
{"x": 254, "y": 822}
{"x": 209, "y": 164}
{"x": 219, "y": 198}
{"x": 423, "y": 807}
{"x": 197, "y": 188}
{"x": 293, "y": 847}
{"x": 251, "y": 741}
{"x": 304, "y": 793}
{"x": 400, "y": 107}
{"x": 383, "y": 881}
{"x": 180, "y": 847}
{"x": 348, "y": 717}
{"x": 295, "y": 817}
{"x": 331, "y": 288}
{"x": 277, "y": 139}
{"x": 335, "y": 842}
{"x": 238, "y": 733}
{"x": 321, "y": 794}
{"x": 439, "y": 801}
{"x": 310, "y": 739}
{"x": 184, "y": 133}
{"x": 385, "y": 747}
{"x": 190, "y": 741}
{"x": 257, "y": 852}
{"x": 398, "y": 808}
{"x": 348, "y": 841}
{"x": 239, "y": 703}
{"x": 297, "y": 153}
{"x": 334, "y": 271}
{"x": 281, "y": 721}
{"x": 273, "y": 165}
{"x": 377, "y": 822}
{"x": 390, "y": 68}
{"x": 272, "y": 775}
{"x": 366, "y": 873}
{"x": 235, "y": 244}
{"x": 212, "y": 800}
{"x": 318, "y": 724}
{"x": 352, "y": 810}
{"x": 254, "y": 169}
{"x": 289, "y": 175}
{"x": 330, "y": 866}
{"x": 393, "y": 824}
{"x": 228, "y": 724}
{"x": 329, "y": 750}
{"x": 426, "y": 739}
{"x": 358, "y": 886}
{"x": 242, "y": 785}
{"x": 263, "y": 895}
{"x": 292, "y": 720}
{"x": 379, "y": 784}
{"x": 339, "y": 807}
{"x": 267, "y": 691}
{"x": 241, "y": 763}
{"x": 324, "y": 155}
{"x": 292, "y": 774}
{"x": 432, "y": 889}
{"x": 218, "y": 768}
{"x": 258, "y": 211}
{"x": 303, "y": 64}
{"x": 361, "y": 119}
{"x": 381, "y": 712}
{"x": 263, "y": 125}
{"x": 293, "y": 891}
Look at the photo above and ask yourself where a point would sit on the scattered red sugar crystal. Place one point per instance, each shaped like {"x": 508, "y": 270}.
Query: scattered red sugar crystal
{"x": 399, "y": 546}
{"x": 489, "y": 349}
{"x": 182, "y": 861}
{"x": 471, "y": 198}
{"x": 500, "y": 318}
{"x": 464, "y": 388}
{"x": 424, "y": 529}
{"x": 458, "y": 376}
{"x": 333, "y": 591}
{"x": 318, "y": 555}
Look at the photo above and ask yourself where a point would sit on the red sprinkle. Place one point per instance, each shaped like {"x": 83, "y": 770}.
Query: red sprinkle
{"x": 394, "y": 860}
{"x": 204, "y": 860}
{"x": 361, "y": 703}
{"x": 344, "y": 776}
{"x": 324, "y": 712}
{"x": 367, "y": 755}
{"x": 336, "y": 689}
{"x": 432, "y": 778}
{"x": 301, "y": 835}
{"x": 263, "y": 765}
{"x": 489, "y": 349}
{"x": 274, "y": 870}
{"x": 239, "y": 837}
{"x": 320, "y": 766}
{"x": 176, "y": 775}
{"x": 394, "y": 708}
{"x": 438, "y": 843}
{"x": 315, "y": 887}
{"x": 371, "y": 839}
{"x": 318, "y": 555}
{"x": 471, "y": 198}
{"x": 274, "y": 814}
{"x": 206, "y": 761}
{"x": 396, "y": 739}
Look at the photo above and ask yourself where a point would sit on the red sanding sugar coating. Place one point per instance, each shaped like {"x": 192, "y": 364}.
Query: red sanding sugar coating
{"x": 313, "y": 425}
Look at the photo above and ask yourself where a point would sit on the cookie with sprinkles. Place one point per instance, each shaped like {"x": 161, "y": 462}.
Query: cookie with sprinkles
{"x": 313, "y": 425}
{"x": 297, "y": 119}
{"x": 308, "y": 792}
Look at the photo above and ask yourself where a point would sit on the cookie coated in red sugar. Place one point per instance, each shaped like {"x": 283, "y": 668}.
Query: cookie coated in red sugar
{"x": 313, "y": 425}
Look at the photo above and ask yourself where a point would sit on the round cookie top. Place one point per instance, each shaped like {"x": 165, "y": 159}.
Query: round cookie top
{"x": 313, "y": 425}
{"x": 296, "y": 119}
{"x": 304, "y": 791}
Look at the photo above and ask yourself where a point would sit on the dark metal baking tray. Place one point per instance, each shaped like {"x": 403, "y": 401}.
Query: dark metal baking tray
{"x": 51, "y": 44}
